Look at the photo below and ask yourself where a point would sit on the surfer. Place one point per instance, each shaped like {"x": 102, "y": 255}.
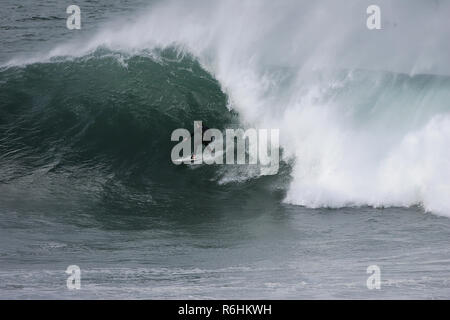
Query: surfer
{"x": 199, "y": 125}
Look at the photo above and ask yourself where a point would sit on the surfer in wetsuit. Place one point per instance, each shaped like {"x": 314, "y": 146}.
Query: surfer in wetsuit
{"x": 205, "y": 143}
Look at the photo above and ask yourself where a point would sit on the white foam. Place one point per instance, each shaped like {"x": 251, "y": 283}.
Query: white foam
{"x": 371, "y": 144}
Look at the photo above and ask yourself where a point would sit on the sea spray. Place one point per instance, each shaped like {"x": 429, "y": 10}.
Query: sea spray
{"x": 344, "y": 97}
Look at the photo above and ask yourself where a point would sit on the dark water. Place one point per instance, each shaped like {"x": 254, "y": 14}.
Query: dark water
{"x": 86, "y": 179}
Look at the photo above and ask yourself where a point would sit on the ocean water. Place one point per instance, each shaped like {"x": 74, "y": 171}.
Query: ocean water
{"x": 86, "y": 177}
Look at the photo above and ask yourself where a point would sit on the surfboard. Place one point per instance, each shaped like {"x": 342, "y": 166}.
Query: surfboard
{"x": 189, "y": 161}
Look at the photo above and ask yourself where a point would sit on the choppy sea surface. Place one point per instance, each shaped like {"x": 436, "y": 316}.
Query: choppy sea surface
{"x": 86, "y": 177}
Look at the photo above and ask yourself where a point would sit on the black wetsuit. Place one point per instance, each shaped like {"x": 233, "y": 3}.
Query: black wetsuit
{"x": 205, "y": 143}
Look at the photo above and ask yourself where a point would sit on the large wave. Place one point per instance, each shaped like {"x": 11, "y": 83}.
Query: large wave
{"x": 364, "y": 114}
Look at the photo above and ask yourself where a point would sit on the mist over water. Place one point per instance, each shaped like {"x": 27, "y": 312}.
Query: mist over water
{"x": 364, "y": 113}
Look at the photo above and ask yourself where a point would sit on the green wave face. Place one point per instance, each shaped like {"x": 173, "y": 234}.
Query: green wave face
{"x": 99, "y": 105}
{"x": 98, "y": 128}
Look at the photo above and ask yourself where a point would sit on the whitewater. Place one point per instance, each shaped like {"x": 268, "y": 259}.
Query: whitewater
{"x": 364, "y": 126}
